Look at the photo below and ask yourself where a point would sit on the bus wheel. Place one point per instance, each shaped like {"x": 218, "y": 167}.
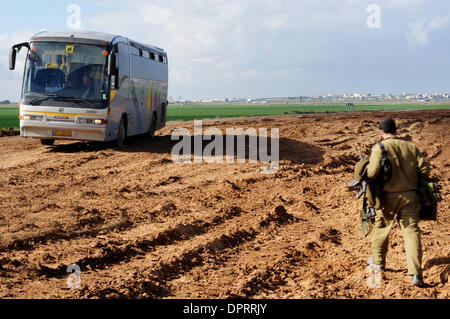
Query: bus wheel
{"x": 122, "y": 134}
{"x": 153, "y": 128}
{"x": 47, "y": 142}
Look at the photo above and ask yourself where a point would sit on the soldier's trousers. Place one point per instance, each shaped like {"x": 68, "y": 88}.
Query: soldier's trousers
{"x": 405, "y": 208}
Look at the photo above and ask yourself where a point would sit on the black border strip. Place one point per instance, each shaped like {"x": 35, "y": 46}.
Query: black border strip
{"x": 274, "y": 308}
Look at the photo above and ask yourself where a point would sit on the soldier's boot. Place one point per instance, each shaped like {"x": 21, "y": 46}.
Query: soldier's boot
{"x": 417, "y": 280}
{"x": 374, "y": 266}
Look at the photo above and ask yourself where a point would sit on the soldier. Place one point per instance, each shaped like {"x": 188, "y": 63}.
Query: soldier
{"x": 400, "y": 200}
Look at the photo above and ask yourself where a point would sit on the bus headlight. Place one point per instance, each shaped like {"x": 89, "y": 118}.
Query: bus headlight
{"x": 85, "y": 121}
{"x": 32, "y": 117}
{"x": 101, "y": 122}
{"x": 93, "y": 121}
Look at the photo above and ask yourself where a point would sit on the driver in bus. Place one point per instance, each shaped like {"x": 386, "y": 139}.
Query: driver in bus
{"x": 87, "y": 85}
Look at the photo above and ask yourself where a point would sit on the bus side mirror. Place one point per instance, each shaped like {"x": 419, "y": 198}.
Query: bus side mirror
{"x": 12, "y": 58}
{"x": 13, "y": 54}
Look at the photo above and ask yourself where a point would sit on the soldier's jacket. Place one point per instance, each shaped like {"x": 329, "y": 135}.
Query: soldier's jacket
{"x": 406, "y": 161}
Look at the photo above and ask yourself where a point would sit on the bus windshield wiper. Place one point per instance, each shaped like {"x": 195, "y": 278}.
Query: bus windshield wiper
{"x": 46, "y": 96}
{"x": 74, "y": 99}
{"x": 43, "y": 97}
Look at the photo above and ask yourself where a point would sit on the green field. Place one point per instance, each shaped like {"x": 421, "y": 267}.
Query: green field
{"x": 9, "y": 113}
{"x": 197, "y": 112}
{"x": 9, "y": 116}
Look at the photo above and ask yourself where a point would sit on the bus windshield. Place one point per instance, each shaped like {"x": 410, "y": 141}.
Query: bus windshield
{"x": 63, "y": 73}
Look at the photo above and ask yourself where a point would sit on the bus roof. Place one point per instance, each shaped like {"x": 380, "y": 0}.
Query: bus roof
{"x": 88, "y": 35}
{"x": 85, "y": 35}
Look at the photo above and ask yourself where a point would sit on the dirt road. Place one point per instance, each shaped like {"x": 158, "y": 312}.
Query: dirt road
{"x": 140, "y": 226}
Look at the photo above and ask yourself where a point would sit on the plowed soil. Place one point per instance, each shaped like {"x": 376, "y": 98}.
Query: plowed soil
{"x": 141, "y": 226}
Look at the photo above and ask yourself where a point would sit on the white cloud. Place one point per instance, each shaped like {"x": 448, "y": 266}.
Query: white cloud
{"x": 402, "y": 4}
{"x": 223, "y": 42}
{"x": 12, "y": 80}
{"x": 420, "y": 31}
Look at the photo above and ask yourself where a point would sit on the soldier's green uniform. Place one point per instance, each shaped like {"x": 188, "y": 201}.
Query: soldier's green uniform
{"x": 400, "y": 200}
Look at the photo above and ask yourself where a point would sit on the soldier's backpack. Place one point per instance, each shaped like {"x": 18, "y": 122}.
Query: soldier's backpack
{"x": 429, "y": 195}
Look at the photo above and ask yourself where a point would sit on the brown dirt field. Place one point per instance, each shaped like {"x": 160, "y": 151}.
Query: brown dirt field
{"x": 141, "y": 226}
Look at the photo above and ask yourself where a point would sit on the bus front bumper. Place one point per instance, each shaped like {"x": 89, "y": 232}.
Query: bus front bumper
{"x": 63, "y": 132}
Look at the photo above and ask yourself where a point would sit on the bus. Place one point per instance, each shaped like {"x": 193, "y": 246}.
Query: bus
{"x": 91, "y": 86}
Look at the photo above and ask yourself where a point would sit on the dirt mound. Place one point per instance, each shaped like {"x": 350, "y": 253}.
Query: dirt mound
{"x": 280, "y": 216}
{"x": 141, "y": 226}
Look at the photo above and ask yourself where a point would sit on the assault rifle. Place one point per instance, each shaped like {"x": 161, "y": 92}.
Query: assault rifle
{"x": 368, "y": 213}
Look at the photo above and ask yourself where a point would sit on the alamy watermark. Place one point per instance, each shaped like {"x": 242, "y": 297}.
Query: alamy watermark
{"x": 74, "y": 279}
{"x": 374, "y": 19}
{"x": 191, "y": 148}
{"x": 74, "y": 19}
{"x": 374, "y": 277}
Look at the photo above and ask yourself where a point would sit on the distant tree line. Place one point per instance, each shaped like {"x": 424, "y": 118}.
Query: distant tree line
{"x": 5, "y": 102}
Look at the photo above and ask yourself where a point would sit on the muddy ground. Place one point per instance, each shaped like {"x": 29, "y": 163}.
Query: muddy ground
{"x": 140, "y": 226}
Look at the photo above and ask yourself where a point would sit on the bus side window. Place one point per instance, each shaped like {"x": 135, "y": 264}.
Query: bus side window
{"x": 161, "y": 59}
{"x": 134, "y": 50}
{"x": 152, "y": 56}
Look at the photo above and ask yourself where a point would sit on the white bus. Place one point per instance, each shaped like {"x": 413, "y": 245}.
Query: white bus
{"x": 91, "y": 86}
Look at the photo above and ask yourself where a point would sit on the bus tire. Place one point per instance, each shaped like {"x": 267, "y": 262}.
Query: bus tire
{"x": 48, "y": 142}
{"x": 122, "y": 133}
{"x": 152, "y": 128}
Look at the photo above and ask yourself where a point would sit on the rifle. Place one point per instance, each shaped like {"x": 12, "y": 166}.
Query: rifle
{"x": 368, "y": 213}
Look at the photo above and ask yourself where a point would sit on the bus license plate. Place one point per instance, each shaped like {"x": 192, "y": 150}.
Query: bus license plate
{"x": 62, "y": 133}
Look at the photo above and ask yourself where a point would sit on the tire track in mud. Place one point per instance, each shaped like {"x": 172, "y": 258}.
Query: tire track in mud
{"x": 239, "y": 285}
{"x": 331, "y": 143}
{"x": 117, "y": 250}
{"x": 57, "y": 163}
{"x": 300, "y": 253}
{"x": 43, "y": 193}
{"x": 35, "y": 191}
{"x": 187, "y": 257}
{"x": 84, "y": 154}
{"x": 29, "y": 240}
{"x": 58, "y": 169}
{"x": 111, "y": 173}
{"x": 265, "y": 263}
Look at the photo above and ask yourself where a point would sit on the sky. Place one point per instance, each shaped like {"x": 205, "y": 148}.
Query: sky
{"x": 261, "y": 48}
